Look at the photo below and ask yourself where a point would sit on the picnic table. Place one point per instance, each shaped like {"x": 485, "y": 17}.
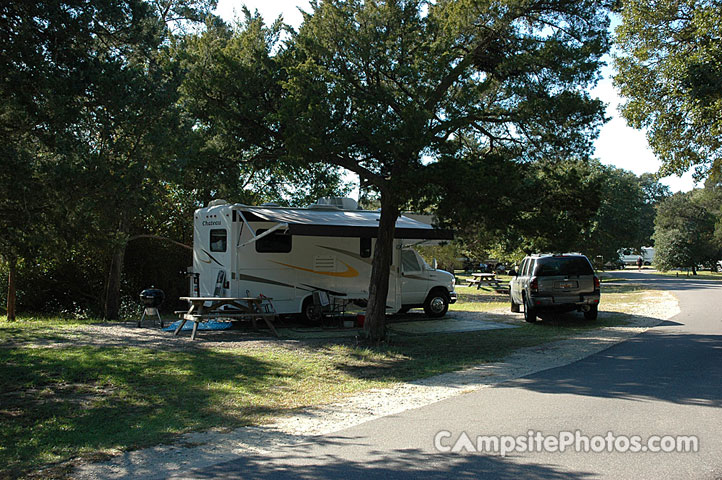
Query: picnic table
{"x": 479, "y": 278}
{"x": 252, "y": 308}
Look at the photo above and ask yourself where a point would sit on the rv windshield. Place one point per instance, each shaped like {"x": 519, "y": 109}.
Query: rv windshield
{"x": 409, "y": 262}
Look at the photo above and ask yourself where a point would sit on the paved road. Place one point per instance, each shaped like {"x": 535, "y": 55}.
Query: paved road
{"x": 667, "y": 381}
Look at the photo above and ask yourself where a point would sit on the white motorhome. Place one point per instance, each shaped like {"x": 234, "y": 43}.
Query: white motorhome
{"x": 288, "y": 253}
{"x": 629, "y": 256}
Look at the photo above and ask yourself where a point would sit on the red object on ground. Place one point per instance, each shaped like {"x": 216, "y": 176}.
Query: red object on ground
{"x": 360, "y": 320}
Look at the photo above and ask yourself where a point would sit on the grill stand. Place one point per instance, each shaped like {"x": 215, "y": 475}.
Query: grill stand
{"x": 151, "y": 311}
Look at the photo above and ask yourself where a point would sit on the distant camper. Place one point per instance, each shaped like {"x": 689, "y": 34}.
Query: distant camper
{"x": 288, "y": 253}
{"x": 629, "y": 256}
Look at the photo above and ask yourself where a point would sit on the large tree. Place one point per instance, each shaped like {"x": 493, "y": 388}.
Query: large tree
{"x": 49, "y": 59}
{"x": 233, "y": 94}
{"x": 385, "y": 89}
{"x": 623, "y": 218}
{"x": 654, "y": 193}
{"x": 670, "y": 70}
{"x": 88, "y": 105}
{"x": 132, "y": 129}
{"x": 685, "y": 232}
{"x": 550, "y": 206}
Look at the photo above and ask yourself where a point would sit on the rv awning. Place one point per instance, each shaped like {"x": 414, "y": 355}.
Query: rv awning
{"x": 339, "y": 223}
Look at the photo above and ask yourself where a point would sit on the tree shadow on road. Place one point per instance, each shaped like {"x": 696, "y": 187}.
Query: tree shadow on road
{"x": 653, "y": 366}
{"x": 398, "y": 464}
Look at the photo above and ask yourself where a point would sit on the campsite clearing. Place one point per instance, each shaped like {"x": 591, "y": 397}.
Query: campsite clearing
{"x": 63, "y": 381}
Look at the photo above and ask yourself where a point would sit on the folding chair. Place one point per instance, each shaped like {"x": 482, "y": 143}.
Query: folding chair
{"x": 326, "y": 309}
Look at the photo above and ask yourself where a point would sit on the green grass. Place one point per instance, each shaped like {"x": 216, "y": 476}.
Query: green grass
{"x": 33, "y": 328}
{"x": 688, "y": 274}
{"x": 64, "y": 401}
{"x": 61, "y": 402}
{"x": 478, "y": 304}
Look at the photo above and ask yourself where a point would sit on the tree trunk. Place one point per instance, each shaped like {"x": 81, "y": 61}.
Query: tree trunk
{"x": 112, "y": 287}
{"x": 12, "y": 295}
{"x": 375, "y": 324}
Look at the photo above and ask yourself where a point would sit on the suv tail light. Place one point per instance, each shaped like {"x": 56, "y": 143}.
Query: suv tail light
{"x": 534, "y": 285}
{"x": 596, "y": 283}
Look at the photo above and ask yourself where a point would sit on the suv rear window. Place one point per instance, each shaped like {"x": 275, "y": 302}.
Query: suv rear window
{"x": 550, "y": 266}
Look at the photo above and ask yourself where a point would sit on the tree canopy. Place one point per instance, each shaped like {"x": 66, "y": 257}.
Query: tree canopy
{"x": 685, "y": 231}
{"x": 669, "y": 65}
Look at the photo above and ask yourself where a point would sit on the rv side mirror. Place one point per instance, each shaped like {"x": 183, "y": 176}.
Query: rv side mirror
{"x": 434, "y": 264}
{"x": 512, "y": 272}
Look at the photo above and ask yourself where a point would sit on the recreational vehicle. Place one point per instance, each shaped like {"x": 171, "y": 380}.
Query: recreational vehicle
{"x": 287, "y": 254}
{"x": 629, "y": 256}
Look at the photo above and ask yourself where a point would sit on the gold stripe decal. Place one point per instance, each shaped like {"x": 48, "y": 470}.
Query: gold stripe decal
{"x": 349, "y": 273}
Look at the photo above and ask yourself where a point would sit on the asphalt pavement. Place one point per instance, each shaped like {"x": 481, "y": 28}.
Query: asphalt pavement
{"x": 661, "y": 390}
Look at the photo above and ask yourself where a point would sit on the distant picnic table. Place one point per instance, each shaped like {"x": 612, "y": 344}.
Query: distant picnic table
{"x": 489, "y": 279}
{"x": 483, "y": 278}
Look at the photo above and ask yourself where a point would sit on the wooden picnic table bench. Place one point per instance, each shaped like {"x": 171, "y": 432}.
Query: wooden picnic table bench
{"x": 480, "y": 278}
{"x": 249, "y": 308}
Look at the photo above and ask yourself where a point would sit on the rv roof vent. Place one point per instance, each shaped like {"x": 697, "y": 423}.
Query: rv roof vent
{"x": 338, "y": 202}
{"x": 317, "y": 206}
{"x": 216, "y": 202}
{"x": 270, "y": 204}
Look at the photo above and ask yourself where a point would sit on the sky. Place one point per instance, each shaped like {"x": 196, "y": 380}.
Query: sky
{"x": 618, "y": 144}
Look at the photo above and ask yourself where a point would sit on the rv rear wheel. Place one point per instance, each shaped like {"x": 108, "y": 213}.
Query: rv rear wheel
{"x": 309, "y": 312}
{"x": 437, "y": 304}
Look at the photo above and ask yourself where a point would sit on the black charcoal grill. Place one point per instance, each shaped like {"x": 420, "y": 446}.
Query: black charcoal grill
{"x": 151, "y": 298}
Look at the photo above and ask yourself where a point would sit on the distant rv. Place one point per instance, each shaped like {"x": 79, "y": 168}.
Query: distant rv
{"x": 629, "y": 256}
{"x": 290, "y": 253}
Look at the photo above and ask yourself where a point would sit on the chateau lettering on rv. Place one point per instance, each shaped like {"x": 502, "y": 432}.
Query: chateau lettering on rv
{"x": 206, "y": 223}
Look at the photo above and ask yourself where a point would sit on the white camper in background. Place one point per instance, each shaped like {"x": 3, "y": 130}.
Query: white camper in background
{"x": 629, "y": 256}
{"x": 288, "y": 253}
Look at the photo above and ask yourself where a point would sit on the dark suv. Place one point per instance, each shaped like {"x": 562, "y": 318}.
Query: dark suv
{"x": 559, "y": 282}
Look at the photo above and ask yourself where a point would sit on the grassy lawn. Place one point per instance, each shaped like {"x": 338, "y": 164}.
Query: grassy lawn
{"x": 701, "y": 275}
{"x": 58, "y": 403}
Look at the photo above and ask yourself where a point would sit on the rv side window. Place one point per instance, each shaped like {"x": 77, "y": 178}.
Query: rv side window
{"x": 275, "y": 242}
{"x": 365, "y": 251}
{"x": 218, "y": 240}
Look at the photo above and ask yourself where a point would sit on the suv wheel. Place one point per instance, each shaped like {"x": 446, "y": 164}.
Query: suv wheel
{"x": 529, "y": 311}
{"x": 436, "y": 304}
{"x": 592, "y": 313}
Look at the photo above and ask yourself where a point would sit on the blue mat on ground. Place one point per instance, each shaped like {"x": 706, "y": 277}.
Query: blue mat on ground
{"x": 209, "y": 325}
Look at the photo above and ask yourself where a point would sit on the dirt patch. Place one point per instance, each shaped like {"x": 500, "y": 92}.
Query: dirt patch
{"x": 124, "y": 334}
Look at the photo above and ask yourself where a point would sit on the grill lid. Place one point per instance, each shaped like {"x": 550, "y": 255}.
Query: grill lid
{"x": 152, "y": 297}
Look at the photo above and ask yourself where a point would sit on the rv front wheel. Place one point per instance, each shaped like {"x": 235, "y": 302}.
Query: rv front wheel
{"x": 437, "y": 304}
